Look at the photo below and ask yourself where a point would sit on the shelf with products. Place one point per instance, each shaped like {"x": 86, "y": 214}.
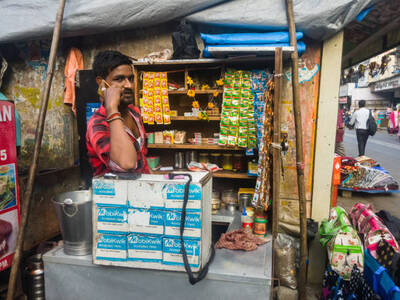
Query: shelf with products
{"x": 194, "y": 146}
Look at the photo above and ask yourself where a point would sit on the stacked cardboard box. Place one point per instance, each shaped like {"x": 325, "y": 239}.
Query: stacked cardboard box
{"x": 137, "y": 222}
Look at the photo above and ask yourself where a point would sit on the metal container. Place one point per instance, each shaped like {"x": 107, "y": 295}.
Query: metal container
{"x": 74, "y": 212}
{"x": 179, "y": 160}
{"x": 34, "y": 274}
{"x": 244, "y": 201}
{"x": 191, "y": 156}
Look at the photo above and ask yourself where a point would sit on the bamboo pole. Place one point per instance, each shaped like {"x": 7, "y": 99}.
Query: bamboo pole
{"x": 38, "y": 141}
{"x": 299, "y": 153}
{"x": 276, "y": 149}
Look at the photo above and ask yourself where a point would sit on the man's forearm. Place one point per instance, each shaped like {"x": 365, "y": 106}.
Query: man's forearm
{"x": 122, "y": 150}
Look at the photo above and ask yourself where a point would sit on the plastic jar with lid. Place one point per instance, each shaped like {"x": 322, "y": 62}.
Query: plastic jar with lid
{"x": 203, "y": 157}
{"x": 260, "y": 225}
{"x": 227, "y": 162}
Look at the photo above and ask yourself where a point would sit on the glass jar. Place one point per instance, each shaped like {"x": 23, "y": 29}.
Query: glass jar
{"x": 215, "y": 158}
{"x": 203, "y": 157}
{"x": 238, "y": 163}
{"x": 227, "y": 162}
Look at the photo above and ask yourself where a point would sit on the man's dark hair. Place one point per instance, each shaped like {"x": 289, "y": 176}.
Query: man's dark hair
{"x": 108, "y": 60}
{"x": 361, "y": 103}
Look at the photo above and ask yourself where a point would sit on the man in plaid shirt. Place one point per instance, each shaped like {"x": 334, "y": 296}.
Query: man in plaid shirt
{"x": 115, "y": 135}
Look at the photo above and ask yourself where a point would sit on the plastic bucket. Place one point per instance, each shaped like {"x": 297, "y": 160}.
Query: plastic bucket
{"x": 74, "y": 212}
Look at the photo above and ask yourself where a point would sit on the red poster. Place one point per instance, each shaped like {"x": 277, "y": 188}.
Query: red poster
{"x": 9, "y": 197}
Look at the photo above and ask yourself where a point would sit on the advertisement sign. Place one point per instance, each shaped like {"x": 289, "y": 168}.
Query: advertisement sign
{"x": 9, "y": 197}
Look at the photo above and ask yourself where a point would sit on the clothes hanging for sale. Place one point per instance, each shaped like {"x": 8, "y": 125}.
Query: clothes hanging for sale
{"x": 74, "y": 63}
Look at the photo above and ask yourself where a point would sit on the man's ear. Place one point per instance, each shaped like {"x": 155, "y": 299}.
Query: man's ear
{"x": 99, "y": 80}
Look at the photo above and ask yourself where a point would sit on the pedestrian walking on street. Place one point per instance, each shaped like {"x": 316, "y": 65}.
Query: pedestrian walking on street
{"x": 339, "y": 147}
{"x": 359, "y": 121}
{"x": 394, "y": 120}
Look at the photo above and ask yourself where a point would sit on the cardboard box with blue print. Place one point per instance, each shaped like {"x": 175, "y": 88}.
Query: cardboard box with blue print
{"x": 110, "y": 192}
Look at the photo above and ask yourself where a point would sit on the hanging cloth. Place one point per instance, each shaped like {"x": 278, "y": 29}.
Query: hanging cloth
{"x": 74, "y": 62}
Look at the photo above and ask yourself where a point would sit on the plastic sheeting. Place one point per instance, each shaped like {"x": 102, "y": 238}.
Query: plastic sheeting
{"x": 301, "y": 48}
{"x": 318, "y": 19}
{"x": 247, "y": 38}
{"x": 30, "y": 19}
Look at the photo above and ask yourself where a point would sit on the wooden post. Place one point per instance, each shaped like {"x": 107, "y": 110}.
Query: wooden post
{"x": 276, "y": 149}
{"x": 299, "y": 153}
{"x": 38, "y": 141}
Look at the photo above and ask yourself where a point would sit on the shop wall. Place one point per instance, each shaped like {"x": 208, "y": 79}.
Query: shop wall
{"x": 25, "y": 77}
{"x": 309, "y": 73}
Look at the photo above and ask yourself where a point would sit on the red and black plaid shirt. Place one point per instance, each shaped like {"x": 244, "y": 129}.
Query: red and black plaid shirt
{"x": 98, "y": 143}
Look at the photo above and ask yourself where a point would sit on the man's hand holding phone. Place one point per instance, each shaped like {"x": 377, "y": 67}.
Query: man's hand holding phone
{"x": 112, "y": 96}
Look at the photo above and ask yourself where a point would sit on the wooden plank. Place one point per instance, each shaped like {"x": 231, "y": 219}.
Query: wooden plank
{"x": 231, "y": 174}
{"x": 194, "y": 146}
{"x": 276, "y": 154}
{"x": 183, "y": 118}
{"x": 324, "y": 146}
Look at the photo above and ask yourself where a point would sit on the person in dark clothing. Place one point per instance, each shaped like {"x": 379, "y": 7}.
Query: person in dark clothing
{"x": 359, "y": 120}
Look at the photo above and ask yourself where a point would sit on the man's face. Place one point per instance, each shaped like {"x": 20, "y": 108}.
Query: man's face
{"x": 122, "y": 76}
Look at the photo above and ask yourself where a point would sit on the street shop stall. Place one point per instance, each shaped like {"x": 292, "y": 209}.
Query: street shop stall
{"x": 363, "y": 254}
{"x": 213, "y": 115}
{"x": 363, "y": 174}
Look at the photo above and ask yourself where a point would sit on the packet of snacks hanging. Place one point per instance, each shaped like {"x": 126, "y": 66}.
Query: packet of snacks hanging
{"x": 155, "y": 102}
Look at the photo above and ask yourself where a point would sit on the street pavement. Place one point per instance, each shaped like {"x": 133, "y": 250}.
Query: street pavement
{"x": 385, "y": 149}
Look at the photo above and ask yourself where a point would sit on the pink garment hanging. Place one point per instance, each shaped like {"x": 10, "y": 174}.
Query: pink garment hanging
{"x": 74, "y": 62}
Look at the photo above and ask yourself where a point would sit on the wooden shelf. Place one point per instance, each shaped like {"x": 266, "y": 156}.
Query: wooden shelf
{"x": 183, "y": 118}
{"x": 219, "y": 174}
{"x": 194, "y": 146}
{"x": 231, "y": 174}
{"x": 184, "y": 92}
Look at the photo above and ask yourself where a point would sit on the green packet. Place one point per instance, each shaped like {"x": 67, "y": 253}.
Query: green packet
{"x": 232, "y": 131}
{"x": 223, "y": 140}
{"x": 243, "y": 132}
{"x": 227, "y": 102}
{"x": 225, "y": 121}
{"x": 233, "y": 121}
{"x": 244, "y": 103}
{"x": 234, "y": 113}
{"x": 243, "y": 122}
{"x": 246, "y": 74}
{"x": 242, "y": 142}
{"x": 236, "y": 93}
{"x": 235, "y": 102}
{"x": 232, "y": 140}
{"x": 224, "y": 130}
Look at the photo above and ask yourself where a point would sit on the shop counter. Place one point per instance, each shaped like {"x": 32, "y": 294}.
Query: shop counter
{"x": 232, "y": 275}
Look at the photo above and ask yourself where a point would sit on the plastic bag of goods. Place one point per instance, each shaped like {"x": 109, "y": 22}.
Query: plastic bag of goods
{"x": 285, "y": 260}
{"x": 342, "y": 242}
{"x": 371, "y": 227}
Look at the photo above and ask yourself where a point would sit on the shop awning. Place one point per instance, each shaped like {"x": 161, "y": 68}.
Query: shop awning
{"x": 30, "y": 19}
